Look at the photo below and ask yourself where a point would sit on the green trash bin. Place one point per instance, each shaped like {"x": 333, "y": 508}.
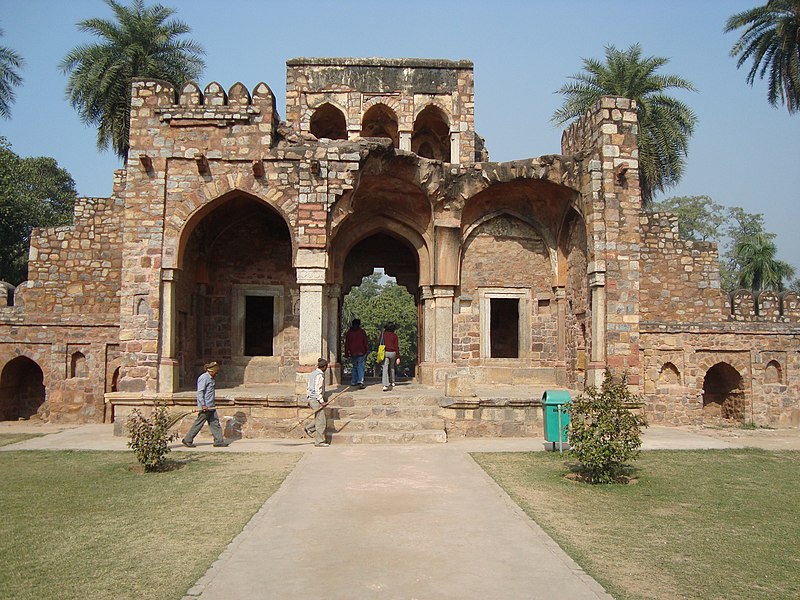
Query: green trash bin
{"x": 556, "y": 416}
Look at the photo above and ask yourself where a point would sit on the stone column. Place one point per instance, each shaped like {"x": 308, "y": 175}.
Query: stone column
{"x": 443, "y": 297}
{"x": 405, "y": 140}
{"x": 428, "y": 324}
{"x": 312, "y": 336}
{"x": 455, "y": 147}
{"x": 167, "y": 365}
{"x": 331, "y": 349}
{"x": 597, "y": 360}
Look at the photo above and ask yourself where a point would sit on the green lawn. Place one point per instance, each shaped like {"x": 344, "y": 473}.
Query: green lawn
{"x": 90, "y": 525}
{"x": 698, "y": 524}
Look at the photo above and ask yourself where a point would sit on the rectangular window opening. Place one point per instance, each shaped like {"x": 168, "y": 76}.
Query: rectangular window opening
{"x": 504, "y": 327}
{"x": 258, "y": 325}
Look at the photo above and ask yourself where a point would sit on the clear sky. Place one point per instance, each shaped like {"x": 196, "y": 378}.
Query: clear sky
{"x": 744, "y": 152}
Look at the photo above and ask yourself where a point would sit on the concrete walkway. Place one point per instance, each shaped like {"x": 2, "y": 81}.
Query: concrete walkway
{"x": 405, "y": 521}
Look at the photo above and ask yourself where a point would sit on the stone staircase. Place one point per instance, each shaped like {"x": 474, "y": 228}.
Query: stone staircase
{"x": 406, "y": 414}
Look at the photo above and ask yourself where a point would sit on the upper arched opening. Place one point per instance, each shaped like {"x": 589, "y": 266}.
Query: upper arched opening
{"x": 328, "y": 122}
{"x": 380, "y": 121}
{"x": 431, "y": 135}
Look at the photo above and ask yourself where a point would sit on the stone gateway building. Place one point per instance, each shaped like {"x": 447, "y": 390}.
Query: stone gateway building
{"x": 233, "y": 236}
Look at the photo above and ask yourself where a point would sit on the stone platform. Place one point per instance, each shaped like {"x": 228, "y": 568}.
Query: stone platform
{"x": 408, "y": 413}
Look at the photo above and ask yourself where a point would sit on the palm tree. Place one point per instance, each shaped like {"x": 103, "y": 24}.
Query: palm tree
{"x": 758, "y": 267}
{"x": 772, "y": 40}
{"x": 10, "y": 61}
{"x": 140, "y": 42}
{"x": 665, "y": 124}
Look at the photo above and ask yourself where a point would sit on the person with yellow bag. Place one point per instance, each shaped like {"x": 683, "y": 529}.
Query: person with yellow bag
{"x": 389, "y": 354}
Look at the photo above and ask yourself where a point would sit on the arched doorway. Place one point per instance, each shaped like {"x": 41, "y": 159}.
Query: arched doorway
{"x": 380, "y": 121}
{"x": 381, "y": 285}
{"x": 723, "y": 395}
{"x": 234, "y": 294}
{"x": 22, "y": 390}
{"x": 431, "y": 135}
{"x": 328, "y": 122}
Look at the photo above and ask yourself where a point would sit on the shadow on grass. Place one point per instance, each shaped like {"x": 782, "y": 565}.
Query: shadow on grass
{"x": 625, "y": 475}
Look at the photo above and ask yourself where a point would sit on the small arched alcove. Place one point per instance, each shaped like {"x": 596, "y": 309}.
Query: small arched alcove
{"x": 22, "y": 390}
{"x": 380, "y": 121}
{"x": 431, "y": 135}
{"x": 328, "y": 122}
{"x": 723, "y": 395}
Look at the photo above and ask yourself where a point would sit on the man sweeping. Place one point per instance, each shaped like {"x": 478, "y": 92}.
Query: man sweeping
{"x": 316, "y": 400}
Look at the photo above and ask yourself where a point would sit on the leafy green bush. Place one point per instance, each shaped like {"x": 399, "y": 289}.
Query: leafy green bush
{"x": 605, "y": 433}
{"x": 150, "y": 437}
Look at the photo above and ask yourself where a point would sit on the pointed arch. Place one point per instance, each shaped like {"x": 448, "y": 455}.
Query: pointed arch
{"x": 328, "y": 121}
{"x": 380, "y": 121}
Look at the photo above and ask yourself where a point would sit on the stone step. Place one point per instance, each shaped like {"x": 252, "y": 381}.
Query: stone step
{"x": 385, "y": 399}
{"x": 384, "y": 412}
{"x": 386, "y": 425}
{"x": 426, "y": 436}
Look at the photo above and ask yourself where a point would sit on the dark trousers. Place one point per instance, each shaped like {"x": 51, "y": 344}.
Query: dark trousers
{"x": 204, "y": 416}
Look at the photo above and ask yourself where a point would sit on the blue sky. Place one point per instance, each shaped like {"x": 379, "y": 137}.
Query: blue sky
{"x": 744, "y": 152}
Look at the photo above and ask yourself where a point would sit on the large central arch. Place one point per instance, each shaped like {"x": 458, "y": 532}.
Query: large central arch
{"x": 233, "y": 293}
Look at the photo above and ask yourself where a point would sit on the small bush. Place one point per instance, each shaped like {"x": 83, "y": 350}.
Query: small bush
{"x": 150, "y": 437}
{"x": 604, "y": 432}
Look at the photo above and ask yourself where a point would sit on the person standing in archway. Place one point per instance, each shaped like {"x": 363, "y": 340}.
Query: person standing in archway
{"x": 356, "y": 346}
{"x": 391, "y": 357}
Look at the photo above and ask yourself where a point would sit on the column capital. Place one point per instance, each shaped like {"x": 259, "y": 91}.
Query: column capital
{"x": 310, "y": 275}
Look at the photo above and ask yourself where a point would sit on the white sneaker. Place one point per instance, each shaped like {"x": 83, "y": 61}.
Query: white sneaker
{"x": 386, "y": 388}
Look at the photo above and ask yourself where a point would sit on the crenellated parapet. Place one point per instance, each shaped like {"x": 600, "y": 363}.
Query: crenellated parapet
{"x": 166, "y": 122}
{"x": 766, "y": 306}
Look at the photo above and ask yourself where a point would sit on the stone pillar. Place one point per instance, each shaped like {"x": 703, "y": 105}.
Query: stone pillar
{"x": 455, "y": 147}
{"x": 443, "y": 297}
{"x": 331, "y": 349}
{"x": 561, "y": 310}
{"x": 312, "y": 336}
{"x": 428, "y": 324}
{"x": 597, "y": 360}
{"x": 405, "y": 140}
{"x": 167, "y": 365}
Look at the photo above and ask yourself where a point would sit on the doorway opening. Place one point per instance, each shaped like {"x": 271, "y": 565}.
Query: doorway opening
{"x": 504, "y": 327}
{"x": 258, "y": 325}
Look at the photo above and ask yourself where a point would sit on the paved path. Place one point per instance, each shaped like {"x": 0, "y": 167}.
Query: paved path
{"x": 393, "y": 522}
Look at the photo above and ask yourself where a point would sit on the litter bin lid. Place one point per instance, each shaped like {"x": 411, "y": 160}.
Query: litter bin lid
{"x": 556, "y": 397}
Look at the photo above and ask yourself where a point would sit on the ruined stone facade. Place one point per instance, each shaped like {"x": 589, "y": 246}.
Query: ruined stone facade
{"x": 234, "y": 235}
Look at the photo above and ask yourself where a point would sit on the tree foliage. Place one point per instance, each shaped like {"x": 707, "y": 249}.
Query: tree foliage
{"x": 771, "y": 40}
{"x": 376, "y": 303}
{"x": 665, "y": 124}
{"x": 34, "y": 192}
{"x": 759, "y": 267}
{"x": 141, "y": 42}
{"x": 10, "y": 63}
{"x": 605, "y": 432}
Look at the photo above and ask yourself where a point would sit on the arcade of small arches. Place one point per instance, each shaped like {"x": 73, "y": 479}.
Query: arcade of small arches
{"x": 430, "y": 135}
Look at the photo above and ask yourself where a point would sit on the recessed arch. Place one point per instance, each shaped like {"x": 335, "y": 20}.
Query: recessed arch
{"x": 328, "y": 121}
{"x": 669, "y": 374}
{"x": 380, "y": 121}
{"x": 723, "y": 394}
{"x": 773, "y": 373}
{"x": 77, "y": 365}
{"x": 22, "y": 390}
{"x": 431, "y": 135}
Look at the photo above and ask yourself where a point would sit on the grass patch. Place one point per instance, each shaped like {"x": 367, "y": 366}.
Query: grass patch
{"x": 697, "y": 524}
{"x": 6, "y": 439}
{"x": 92, "y": 525}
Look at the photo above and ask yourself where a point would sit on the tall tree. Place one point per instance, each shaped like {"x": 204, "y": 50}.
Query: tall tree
{"x": 34, "y": 192}
{"x": 771, "y": 40}
{"x": 10, "y": 78}
{"x": 699, "y": 217}
{"x": 665, "y": 124}
{"x": 760, "y": 270}
{"x": 141, "y": 42}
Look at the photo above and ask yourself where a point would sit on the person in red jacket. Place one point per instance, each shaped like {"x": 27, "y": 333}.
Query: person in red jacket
{"x": 391, "y": 357}
{"x": 356, "y": 346}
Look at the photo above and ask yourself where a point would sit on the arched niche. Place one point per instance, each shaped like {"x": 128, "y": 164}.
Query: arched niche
{"x": 328, "y": 122}
{"x": 723, "y": 394}
{"x": 22, "y": 390}
{"x": 380, "y": 121}
{"x": 431, "y": 135}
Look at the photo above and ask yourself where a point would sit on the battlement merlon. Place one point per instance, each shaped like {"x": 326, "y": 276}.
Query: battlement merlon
{"x": 167, "y": 123}
{"x": 400, "y": 89}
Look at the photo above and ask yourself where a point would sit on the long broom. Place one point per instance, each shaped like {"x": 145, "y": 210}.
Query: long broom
{"x": 314, "y": 413}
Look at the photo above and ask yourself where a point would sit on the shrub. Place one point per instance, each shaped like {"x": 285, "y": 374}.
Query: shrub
{"x": 604, "y": 431}
{"x": 150, "y": 437}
